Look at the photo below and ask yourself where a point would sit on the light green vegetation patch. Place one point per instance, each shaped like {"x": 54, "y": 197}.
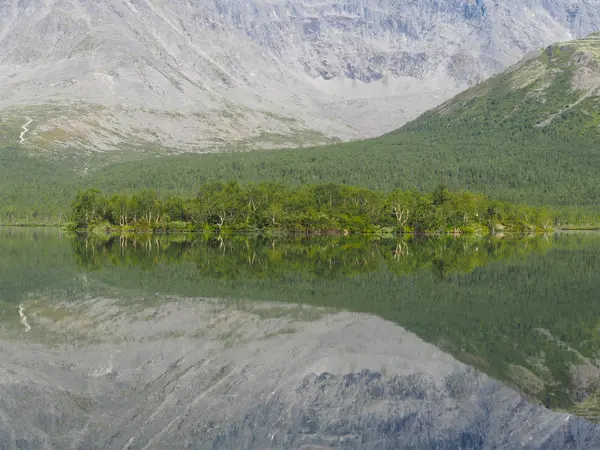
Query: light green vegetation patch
{"x": 524, "y": 377}
{"x": 329, "y": 208}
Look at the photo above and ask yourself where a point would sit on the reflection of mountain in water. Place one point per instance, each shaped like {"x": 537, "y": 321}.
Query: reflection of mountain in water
{"x": 523, "y": 310}
{"x": 205, "y": 374}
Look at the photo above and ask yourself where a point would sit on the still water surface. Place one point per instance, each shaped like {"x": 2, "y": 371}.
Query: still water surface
{"x": 260, "y": 342}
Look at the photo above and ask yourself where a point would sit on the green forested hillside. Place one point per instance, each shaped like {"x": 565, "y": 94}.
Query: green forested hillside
{"x": 529, "y": 135}
{"x": 35, "y": 189}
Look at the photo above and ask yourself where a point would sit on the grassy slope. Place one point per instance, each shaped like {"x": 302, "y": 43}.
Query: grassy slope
{"x": 527, "y": 135}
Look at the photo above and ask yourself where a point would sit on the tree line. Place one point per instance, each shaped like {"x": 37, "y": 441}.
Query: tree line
{"x": 319, "y": 209}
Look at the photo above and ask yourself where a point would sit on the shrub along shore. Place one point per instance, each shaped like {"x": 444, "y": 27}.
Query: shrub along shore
{"x": 322, "y": 209}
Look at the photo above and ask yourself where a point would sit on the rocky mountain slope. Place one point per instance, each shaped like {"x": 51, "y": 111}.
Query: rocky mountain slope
{"x": 192, "y": 75}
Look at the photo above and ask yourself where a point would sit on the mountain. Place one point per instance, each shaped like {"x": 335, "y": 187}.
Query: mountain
{"x": 272, "y": 376}
{"x": 204, "y": 75}
{"x": 554, "y": 91}
{"x": 530, "y": 134}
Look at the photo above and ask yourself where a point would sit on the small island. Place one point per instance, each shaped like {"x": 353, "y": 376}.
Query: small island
{"x": 321, "y": 209}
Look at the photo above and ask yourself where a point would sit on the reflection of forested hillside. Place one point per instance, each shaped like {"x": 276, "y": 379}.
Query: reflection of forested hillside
{"x": 522, "y": 309}
{"x": 314, "y": 257}
{"x": 31, "y": 261}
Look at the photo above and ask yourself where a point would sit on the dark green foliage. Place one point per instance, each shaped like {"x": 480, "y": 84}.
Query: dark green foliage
{"x": 34, "y": 190}
{"x": 524, "y": 168}
{"x": 328, "y": 208}
{"x": 440, "y": 195}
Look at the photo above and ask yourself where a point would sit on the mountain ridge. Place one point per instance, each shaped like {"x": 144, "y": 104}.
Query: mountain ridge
{"x": 201, "y": 76}
{"x": 528, "y": 135}
{"x": 549, "y": 87}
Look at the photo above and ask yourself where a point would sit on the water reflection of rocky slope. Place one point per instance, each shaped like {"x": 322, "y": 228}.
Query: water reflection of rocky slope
{"x": 103, "y": 373}
{"x": 523, "y": 310}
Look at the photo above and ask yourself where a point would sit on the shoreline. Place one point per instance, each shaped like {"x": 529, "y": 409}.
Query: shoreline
{"x": 296, "y": 233}
{"x": 383, "y": 231}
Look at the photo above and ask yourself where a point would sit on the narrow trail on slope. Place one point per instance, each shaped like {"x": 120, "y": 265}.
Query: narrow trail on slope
{"x": 24, "y": 319}
{"x": 25, "y": 130}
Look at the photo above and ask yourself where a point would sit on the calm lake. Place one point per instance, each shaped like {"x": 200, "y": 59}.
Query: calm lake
{"x": 252, "y": 342}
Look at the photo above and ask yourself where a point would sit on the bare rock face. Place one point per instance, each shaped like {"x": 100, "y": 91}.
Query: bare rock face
{"x": 194, "y": 75}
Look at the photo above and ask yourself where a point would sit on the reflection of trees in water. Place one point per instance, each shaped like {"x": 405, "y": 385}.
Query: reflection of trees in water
{"x": 323, "y": 257}
{"x": 487, "y": 301}
{"x": 237, "y": 257}
{"x": 502, "y": 305}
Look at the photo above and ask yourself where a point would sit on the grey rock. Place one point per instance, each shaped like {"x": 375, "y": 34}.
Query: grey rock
{"x": 191, "y": 74}
{"x": 203, "y": 374}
